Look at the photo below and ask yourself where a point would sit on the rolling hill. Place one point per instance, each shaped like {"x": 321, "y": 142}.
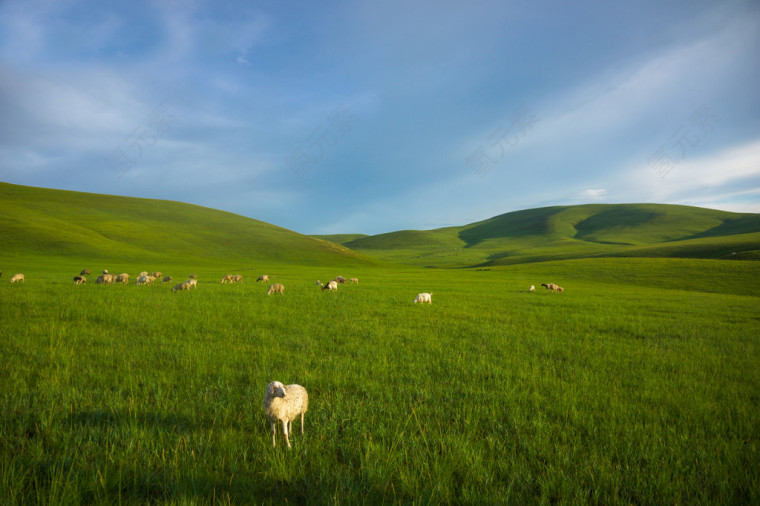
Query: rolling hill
{"x": 37, "y": 222}
{"x": 566, "y": 232}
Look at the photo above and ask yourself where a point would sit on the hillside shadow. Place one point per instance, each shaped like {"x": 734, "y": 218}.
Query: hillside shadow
{"x": 515, "y": 225}
{"x": 743, "y": 225}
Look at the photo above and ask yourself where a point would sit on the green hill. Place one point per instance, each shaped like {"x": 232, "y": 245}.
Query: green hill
{"x": 37, "y": 222}
{"x": 565, "y": 232}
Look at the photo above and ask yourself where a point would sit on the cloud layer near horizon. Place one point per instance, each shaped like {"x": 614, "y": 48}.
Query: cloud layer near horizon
{"x": 372, "y": 118}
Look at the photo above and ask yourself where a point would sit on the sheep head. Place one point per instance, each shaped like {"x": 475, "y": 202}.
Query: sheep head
{"x": 276, "y": 389}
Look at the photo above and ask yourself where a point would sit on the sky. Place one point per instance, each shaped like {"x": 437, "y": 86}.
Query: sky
{"x": 371, "y": 117}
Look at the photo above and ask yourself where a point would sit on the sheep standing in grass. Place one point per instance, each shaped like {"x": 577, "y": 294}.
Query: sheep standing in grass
{"x": 105, "y": 279}
{"x": 122, "y": 278}
{"x": 227, "y": 278}
{"x": 182, "y": 286}
{"x": 167, "y": 279}
{"x": 263, "y": 277}
{"x": 284, "y": 404}
{"x": 354, "y": 280}
{"x": 332, "y": 285}
{"x": 85, "y": 272}
{"x": 78, "y": 280}
{"x": 157, "y": 274}
{"x": 276, "y": 288}
{"x": 532, "y": 289}
{"x": 424, "y": 297}
{"x": 145, "y": 280}
{"x": 340, "y": 279}
{"x": 237, "y": 278}
{"x": 18, "y": 277}
{"x": 192, "y": 283}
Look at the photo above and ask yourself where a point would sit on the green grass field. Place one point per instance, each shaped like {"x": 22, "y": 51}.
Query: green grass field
{"x": 637, "y": 385}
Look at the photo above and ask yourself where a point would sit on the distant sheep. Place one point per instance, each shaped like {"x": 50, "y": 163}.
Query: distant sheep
{"x": 78, "y": 280}
{"x": 340, "y": 279}
{"x": 549, "y": 286}
{"x": 558, "y": 289}
{"x": 122, "y": 278}
{"x": 143, "y": 273}
{"x": 105, "y": 279}
{"x": 227, "y": 278}
{"x": 263, "y": 277}
{"x": 182, "y": 286}
{"x": 192, "y": 283}
{"x": 192, "y": 276}
{"x": 85, "y": 272}
{"x": 157, "y": 274}
{"x": 424, "y": 297}
{"x": 167, "y": 279}
{"x": 285, "y": 404}
{"x": 276, "y": 288}
{"x": 18, "y": 277}
{"x": 332, "y": 285}
{"x": 237, "y": 278}
{"x": 145, "y": 280}
{"x": 105, "y": 271}
{"x": 532, "y": 289}
{"x": 354, "y": 280}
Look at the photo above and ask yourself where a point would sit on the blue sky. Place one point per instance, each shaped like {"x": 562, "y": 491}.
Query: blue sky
{"x": 369, "y": 117}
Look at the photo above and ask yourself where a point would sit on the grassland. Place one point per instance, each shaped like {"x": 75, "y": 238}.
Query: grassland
{"x": 566, "y": 232}
{"x": 639, "y": 384}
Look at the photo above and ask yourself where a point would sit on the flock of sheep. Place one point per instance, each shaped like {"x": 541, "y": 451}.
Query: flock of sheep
{"x": 281, "y": 403}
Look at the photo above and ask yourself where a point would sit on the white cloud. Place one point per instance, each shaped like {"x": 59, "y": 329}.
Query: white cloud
{"x": 592, "y": 194}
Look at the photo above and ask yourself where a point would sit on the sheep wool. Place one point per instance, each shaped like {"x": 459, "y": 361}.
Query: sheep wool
{"x": 285, "y": 404}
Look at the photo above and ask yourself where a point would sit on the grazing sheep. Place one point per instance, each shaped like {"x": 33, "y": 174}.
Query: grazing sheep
{"x": 340, "y": 279}
{"x": 284, "y": 404}
{"x": 78, "y": 280}
{"x": 237, "y": 278}
{"x": 227, "y": 278}
{"x": 143, "y": 273}
{"x": 276, "y": 288}
{"x": 558, "y": 289}
{"x": 192, "y": 276}
{"x": 549, "y": 286}
{"x": 332, "y": 285}
{"x": 85, "y": 272}
{"x": 157, "y": 274}
{"x": 182, "y": 286}
{"x": 532, "y": 289}
{"x": 145, "y": 280}
{"x": 424, "y": 297}
{"x": 168, "y": 279}
{"x": 122, "y": 278}
{"x": 18, "y": 277}
{"x": 105, "y": 271}
{"x": 263, "y": 277}
{"x": 192, "y": 282}
{"x": 105, "y": 279}
{"x": 354, "y": 280}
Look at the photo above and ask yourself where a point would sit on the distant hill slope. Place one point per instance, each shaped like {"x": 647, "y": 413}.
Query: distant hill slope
{"x": 43, "y": 222}
{"x": 564, "y": 232}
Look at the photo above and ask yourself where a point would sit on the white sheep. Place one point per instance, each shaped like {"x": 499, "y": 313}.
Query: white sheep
{"x": 263, "y": 277}
{"x": 227, "y": 278}
{"x": 340, "y": 279}
{"x": 424, "y": 297}
{"x": 532, "y": 289}
{"x": 285, "y": 404}
{"x": 143, "y": 273}
{"x": 145, "y": 280}
{"x": 237, "y": 278}
{"x": 18, "y": 277}
{"x": 78, "y": 280}
{"x": 105, "y": 279}
{"x": 354, "y": 280}
{"x": 157, "y": 274}
{"x": 276, "y": 288}
{"x": 192, "y": 282}
{"x": 181, "y": 286}
{"x": 332, "y": 285}
{"x": 122, "y": 278}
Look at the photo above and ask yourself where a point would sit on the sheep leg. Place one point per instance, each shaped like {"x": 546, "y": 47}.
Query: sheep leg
{"x": 302, "y": 423}
{"x": 274, "y": 432}
{"x": 285, "y": 430}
